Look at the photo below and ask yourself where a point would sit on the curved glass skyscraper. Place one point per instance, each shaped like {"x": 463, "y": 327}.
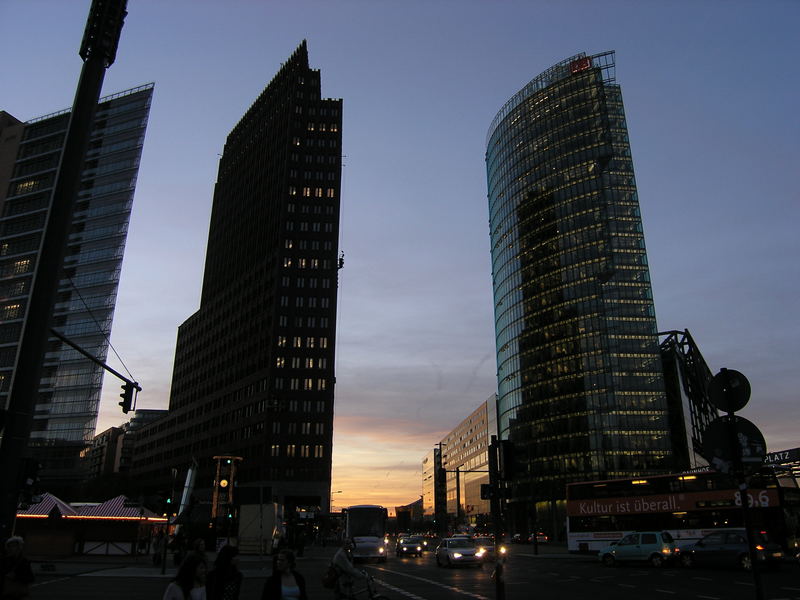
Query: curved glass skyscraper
{"x": 580, "y": 382}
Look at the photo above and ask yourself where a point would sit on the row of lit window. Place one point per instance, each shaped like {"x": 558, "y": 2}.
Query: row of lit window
{"x": 308, "y": 244}
{"x": 316, "y": 192}
{"x": 322, "y": 127}
{"x": 297, "y": 342}
{"x": 307, "y": 263}
{"x": 306, "y": 385}
{"x": 305, "y": 363}
{"x": 301, "y": 451}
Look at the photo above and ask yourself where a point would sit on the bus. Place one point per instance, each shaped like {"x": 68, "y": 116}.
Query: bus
{"x": 688, "y": 505}
{"x": 365, "y": 525}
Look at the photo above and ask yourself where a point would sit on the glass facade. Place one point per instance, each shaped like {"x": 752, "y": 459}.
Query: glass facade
{"x": 67, "y": 405}
{"x": 580, "y": 384}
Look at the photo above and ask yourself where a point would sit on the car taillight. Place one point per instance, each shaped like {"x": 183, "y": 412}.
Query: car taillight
{"x": 759, "y": 547}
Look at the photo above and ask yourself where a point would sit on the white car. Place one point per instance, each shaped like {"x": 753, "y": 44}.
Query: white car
{"x": 459, "y": 551}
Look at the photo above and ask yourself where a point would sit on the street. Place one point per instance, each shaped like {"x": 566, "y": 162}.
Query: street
{"x": 528, "y": 577}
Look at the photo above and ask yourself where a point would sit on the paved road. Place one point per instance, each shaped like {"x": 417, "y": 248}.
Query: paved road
{"x": 528, "y": 577}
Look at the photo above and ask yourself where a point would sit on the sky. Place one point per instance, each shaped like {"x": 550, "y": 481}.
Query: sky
{"x": 710, "y": 91}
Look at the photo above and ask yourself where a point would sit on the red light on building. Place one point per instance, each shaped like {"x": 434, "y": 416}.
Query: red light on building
{"x": 582, "y": 64}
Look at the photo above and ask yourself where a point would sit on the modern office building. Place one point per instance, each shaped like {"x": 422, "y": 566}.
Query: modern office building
{"x": 66, "y": 407}
{"x": 254, "y": 366}
{"x": 453, "y": 472}
{"x": 580, "y": 383}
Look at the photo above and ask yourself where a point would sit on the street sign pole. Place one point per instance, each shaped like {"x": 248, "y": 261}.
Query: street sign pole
{"x": 497, "y": 519}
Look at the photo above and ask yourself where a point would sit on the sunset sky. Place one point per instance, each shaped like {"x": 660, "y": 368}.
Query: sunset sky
{"x": 710, "y": 90}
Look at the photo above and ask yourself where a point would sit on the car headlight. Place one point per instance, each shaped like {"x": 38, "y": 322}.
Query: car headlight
{"x": 502, "y": 549}
{"x": 419, "y": 548}
{"x": 480, "y": 552}
{"x": 404, "y": 548}
{"x": 456, "y": 554}
{"x": 380, "y": 550}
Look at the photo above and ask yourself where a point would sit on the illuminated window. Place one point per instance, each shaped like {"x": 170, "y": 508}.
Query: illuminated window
{"x": 281, "y": 341}
{"x": 307, "y": 192}
{"x": 318, "y": 192}
{"x": 305, "y": 451}
{"x": 309, "y": 363}
{"x": 294, "y": 384}
{"x": 296, "y": 362}
{"x": 310, "y": 342}
{"x": 297, "y": 342}
{"x": 319, "y": 428}
{"x": 292, "y": 190}
{"x": 308, "y": 384}
{"x": 12, "y": 311}
{"x": 318, "y": 451}
{"x": 323, "y": 342}
{"x": 280, "y": 362}
{"x": 331, "y": 193}
{"x": 305, "y": 428}
{"x": 290, "y": 450}
{"x": 275, "y": 450}
{"x": 296, "y": 141}
{"x": 322, "y": 384}
{"x": 22, "y": 266}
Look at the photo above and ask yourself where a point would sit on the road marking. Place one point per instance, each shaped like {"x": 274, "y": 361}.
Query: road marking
{"x": 398, "y": 590}
{"x": 431, "y": 581}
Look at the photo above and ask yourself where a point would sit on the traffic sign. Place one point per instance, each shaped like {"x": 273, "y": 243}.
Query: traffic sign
{"x": 728, "y": 437}
{"x": 729, "y": 390}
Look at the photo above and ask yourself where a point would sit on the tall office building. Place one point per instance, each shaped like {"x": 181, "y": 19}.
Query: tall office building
{"x": 580, "y": 384}
{"x": 66, "y": 407}
{"x": 254, "y": 366}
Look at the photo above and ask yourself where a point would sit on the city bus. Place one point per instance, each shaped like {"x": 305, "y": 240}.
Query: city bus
{"x": 688, "y": 505}
{"x": 365, "y": 525}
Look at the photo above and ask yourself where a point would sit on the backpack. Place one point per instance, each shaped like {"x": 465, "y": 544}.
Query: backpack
{"x": 329, "y": 577}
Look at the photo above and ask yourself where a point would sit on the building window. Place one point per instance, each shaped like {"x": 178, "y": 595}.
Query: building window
{"x": 305, "y": 451}
{"x": 290, "y": 450}
{"x": 323, "y": 342}
{"x": 275, "y": 450}
{"x": 322, "y": 385}
{"x": 318, "y": 451}
{"x": 296, "y": 362}
{"x": 280, "y": 362}
{"x": 305, "y": 428}
{"x": 297, "y": 342}
{"x": 310, "y": 342}
{"x": 308, "y": 384}
{"x": 276, "y": 427}
{"x": 283, "y": 321}
{"x": 281, "y": 341}
{"x": 294, "y": 383}
{"x": 319, "y": 428}
{"x": 292, "y": 189}
{"x": 331, "y": 193}
{"x": 296, "y": 141}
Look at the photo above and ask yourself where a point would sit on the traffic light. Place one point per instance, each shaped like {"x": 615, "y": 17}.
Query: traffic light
{"x": 127, "y": 396}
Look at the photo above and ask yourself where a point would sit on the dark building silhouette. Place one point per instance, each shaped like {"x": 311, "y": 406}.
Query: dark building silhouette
{"x": 580, "y": 382}
{"x": 686, "y": 377}
{"x": 66, "y": 407}
{"x": 254, "y": 366}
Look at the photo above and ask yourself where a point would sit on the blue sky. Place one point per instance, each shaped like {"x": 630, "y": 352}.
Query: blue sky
{"x": 710, "y": 91}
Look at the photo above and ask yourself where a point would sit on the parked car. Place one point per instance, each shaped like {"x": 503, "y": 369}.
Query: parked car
{"x": 409, "y": 546}
{"x": 655, "y": 547}
{"x": 541, "y": 538}
{"x": 458, "y": 551}
{"x": 487, "y": 544}
{"x": 728, "y": 548}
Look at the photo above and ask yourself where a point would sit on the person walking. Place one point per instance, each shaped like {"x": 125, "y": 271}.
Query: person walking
{"x": 347, "y": 573}
{"x": 285, "y": 583}
{"x": 189, "y": 582}
{"x": 224, "y": 582}
{"x": 16, "y": 574}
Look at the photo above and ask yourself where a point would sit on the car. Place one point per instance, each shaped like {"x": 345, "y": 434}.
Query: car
{"x": 728, "y": 548}
{"x": 540, "y": 538}
{"x": 655, "y": 547}
{"x": 409, "y": 546}
{"x": 459, "y": 551}
{"x": 429, "y": 543}
{"x": 487, "y": 544}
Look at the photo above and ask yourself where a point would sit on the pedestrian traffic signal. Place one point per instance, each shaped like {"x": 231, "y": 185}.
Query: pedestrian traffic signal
{"x": 127, "y": 396}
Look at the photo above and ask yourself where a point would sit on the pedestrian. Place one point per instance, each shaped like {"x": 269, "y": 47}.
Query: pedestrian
{"x": 15, "y": 571}
{"x": 285, "y": 583}
{"x": 199, "y": 550}
{"x": 224, "y": 581}
{"x": 347, "y": 573}
{"x": 189, "y": 582}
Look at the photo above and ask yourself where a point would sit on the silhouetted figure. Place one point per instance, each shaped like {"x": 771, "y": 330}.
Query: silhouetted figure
{"x": 285, "y": 582}
{"x": 15, "y": 571}
{"x": 224, "y": 582}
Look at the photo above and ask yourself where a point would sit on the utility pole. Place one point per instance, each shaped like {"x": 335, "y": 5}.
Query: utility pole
{"x": 497, "y": 517}
{"x": 98, "y": 51}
